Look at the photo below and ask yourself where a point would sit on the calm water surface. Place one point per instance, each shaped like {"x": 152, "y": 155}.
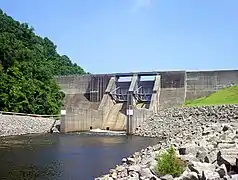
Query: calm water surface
{"x": 64, "y": 156}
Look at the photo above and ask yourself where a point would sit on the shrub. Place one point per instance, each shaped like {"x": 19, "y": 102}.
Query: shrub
{"x": 169, "y": 163}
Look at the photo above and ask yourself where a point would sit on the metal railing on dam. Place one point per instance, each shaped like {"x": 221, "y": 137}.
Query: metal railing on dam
{"x": 104, "y": 101}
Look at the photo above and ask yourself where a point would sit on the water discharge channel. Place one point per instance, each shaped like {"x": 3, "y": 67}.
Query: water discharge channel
{"x": 65, "y": 156}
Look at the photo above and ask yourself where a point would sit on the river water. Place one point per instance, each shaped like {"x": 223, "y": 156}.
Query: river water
{"x": 64, "y": 156}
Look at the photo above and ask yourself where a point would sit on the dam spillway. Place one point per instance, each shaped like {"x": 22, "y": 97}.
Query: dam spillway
{"x": 104, "y": 101}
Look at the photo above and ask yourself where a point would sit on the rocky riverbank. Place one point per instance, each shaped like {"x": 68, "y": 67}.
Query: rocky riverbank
{"x": 18, "y": 125}
{"x": 206, "y": 138}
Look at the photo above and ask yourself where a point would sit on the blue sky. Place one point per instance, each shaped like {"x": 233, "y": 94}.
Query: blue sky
{"x": 105, "y": 36}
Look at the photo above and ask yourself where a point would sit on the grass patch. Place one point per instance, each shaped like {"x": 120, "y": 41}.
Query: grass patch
{"x": 224, "y": 96}
{"x": 169, "y": 163}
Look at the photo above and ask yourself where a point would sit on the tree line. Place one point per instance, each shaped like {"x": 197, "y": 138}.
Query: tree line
{"x": 28, "y": 64}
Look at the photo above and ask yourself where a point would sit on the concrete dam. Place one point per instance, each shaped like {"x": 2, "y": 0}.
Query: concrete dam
{"x": 108, "y": 101}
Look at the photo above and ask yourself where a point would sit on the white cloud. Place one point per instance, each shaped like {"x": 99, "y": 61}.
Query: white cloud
{"x": 138, "y": 4}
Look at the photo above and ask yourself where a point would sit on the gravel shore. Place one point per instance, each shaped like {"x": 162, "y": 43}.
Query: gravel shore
{"x": 206, "y": 138}
{"x": 18, "y": 125}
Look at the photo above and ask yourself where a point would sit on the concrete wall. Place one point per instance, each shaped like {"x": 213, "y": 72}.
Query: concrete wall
{"x": 74, "y": 84}
{"x": 172, "y": 92}
{"x": 97, "y": 87}
{"x": 82, "y": 100}
{"x": 76, "y": 89}
{"x": 139, "y": 115}
{"x": 203, "y": 83}
{"x": 82, "y": 120}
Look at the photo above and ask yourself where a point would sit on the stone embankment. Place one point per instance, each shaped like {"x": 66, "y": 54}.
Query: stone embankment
{"x": 206, "y": 138}
{"x": 18, "y": 125}
{"x": 188, "y": 122}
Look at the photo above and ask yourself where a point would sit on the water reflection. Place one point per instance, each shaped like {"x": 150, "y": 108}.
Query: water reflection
{"x": 24, "y": 140}
{"x": 70, "y": 156}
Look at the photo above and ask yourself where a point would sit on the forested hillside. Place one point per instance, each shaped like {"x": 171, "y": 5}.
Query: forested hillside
{"x": 28, "y": 64}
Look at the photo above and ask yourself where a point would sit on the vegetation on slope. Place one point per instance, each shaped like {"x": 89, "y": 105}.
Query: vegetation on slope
{"x": 227, "y": 95}
{"x": 28, "y": 64}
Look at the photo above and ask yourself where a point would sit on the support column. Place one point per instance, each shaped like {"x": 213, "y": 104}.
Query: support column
{"x": 154, "y": 104}
{"x": 131, "y": 103}
{"x": 111, "y": 85}
{"x": 62, "y": 121}
{"x": 107, "y": 103}
{"x": 185, "y": 87}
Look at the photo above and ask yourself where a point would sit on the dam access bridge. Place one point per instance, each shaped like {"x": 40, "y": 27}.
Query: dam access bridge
{"x": 108, "y": 102}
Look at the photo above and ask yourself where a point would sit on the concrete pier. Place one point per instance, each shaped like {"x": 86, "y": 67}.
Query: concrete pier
{"x": 104, "y": 101}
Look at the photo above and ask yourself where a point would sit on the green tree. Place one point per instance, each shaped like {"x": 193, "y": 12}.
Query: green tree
{"x": 28, "y": 64}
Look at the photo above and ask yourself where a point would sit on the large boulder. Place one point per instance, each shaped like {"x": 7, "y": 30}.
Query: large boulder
{"x": 229, "y": 157}
{"x": 189, "y": 148}
{"x": 199, "y": 167}
{"x": 209, "y": 175}
{"x": 222, "y": 171}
